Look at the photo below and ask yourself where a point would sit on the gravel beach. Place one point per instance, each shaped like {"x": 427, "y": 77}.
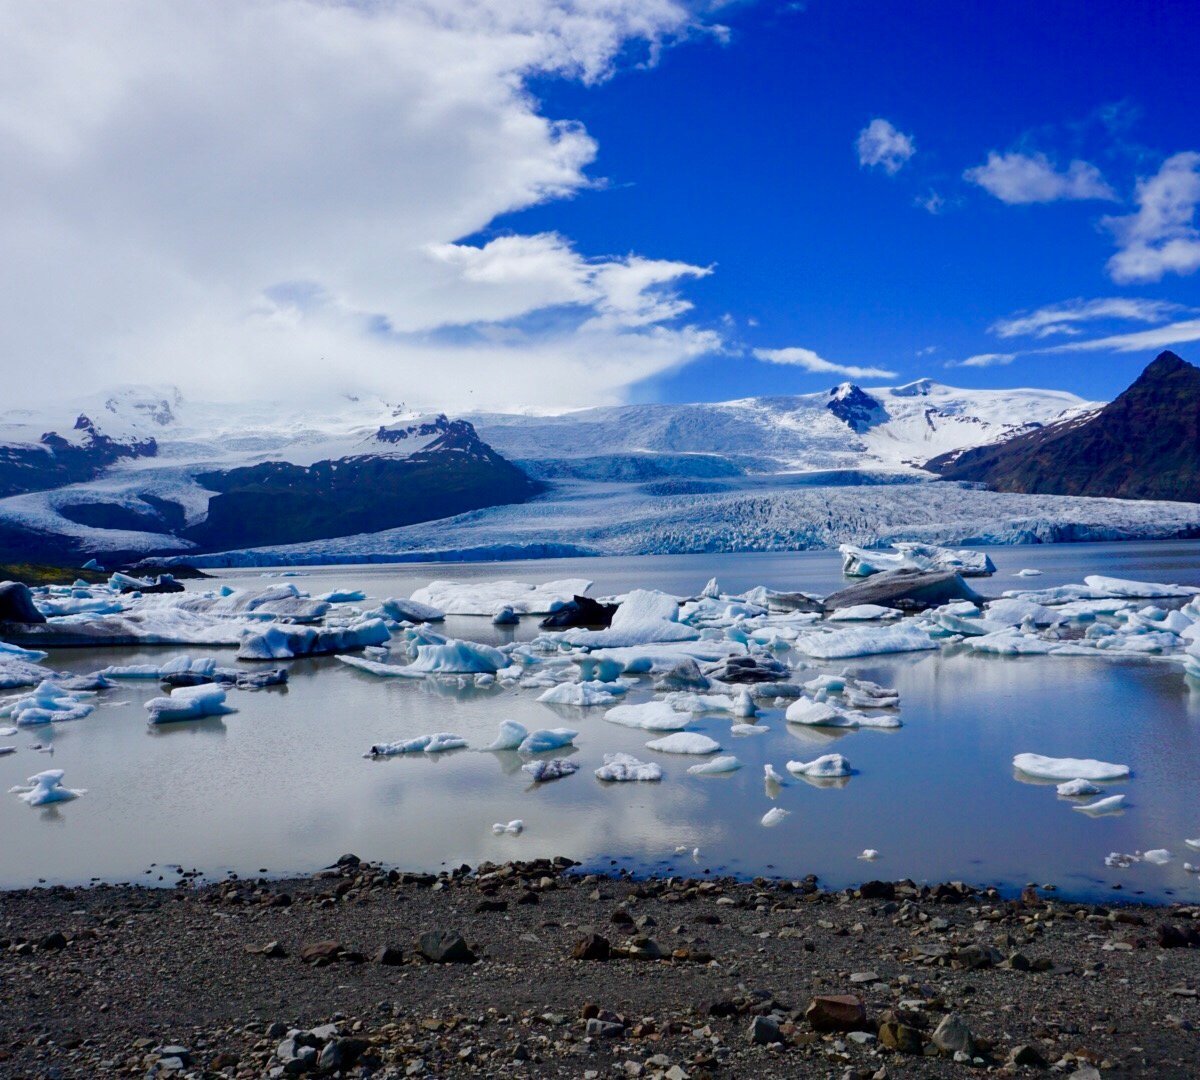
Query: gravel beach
{"x": 531, "y": 969}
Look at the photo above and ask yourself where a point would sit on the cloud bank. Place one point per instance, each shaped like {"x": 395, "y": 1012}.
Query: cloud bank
{"x": 273, "y": 198}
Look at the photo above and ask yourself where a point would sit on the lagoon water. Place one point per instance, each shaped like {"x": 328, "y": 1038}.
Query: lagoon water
{"x": 281, "y": 786}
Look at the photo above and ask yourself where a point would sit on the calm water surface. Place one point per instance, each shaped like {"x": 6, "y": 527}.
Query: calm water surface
{"x": 281, "y": 785}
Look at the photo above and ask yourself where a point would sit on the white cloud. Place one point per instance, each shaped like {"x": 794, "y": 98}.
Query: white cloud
{"x": 269, "y": 197}
{"x": 1023, "y": 178}
{"x": 811, "y": 361}
{"x": 1161, "y": 236}
{"x": 879, "y": 143}
{"x": 987, "y": 359}
{"x": 1061, "y": 318}
{"x": 1177, "y": 333}
{"x": 933, "y": 202}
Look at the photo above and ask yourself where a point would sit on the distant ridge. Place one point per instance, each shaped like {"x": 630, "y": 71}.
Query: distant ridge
{"x": 1145, "y": 444}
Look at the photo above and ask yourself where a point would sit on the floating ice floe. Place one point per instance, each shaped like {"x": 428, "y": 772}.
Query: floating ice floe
{"x": 865, "y": 641}
{"x": 271, "y": 602}
{"x": 400, "y": 610}
{"x": 774, "y": 816}
{"x": 16, "y": 674}
{"x": 1073, "y": 789}
{"x": 485, "y": 597}
{"x": 458, "y": 657}
{"x": 188, "y": 703}
{"x": 1109, "y": 586}
{"x": 6, "y": 750}
{"x": 181, "y": 665}
{"x": 505, "y": 616}
{"x": 512, "y": 734}
{"x": 49, "y": 703}
{"x": 512, "y": 828}
{"x": 1193, "y": 844}
{"x": 862, "y": 562}
{"x": 546, "y": 739}
{"x": 716, "y": 766}
{"x": 582, "y": 694}
{"x": 625, "y": 767}
{"x": 772, "y": 775}
{"x": 18, "y": 652}
{"x": 828, "y": 766}
{"x": 1012, "y": 642}
{"x": 422, "y": 744}
{"x": 1109, "y": 805}
{"x": 551, "y": 769}
{"x": 44, "y": 788}
{"x": 649, "y": 715}
{"x": 684, "y": 742}
{"x": 1048, "y": 768}
{"x": 282, "y": 642}
{"x": 1120, "y": 860}
{"x": 863, "y": 613}
{"x": 343, "y": 596}
{"x": 749, "y": 729}
{"x": 645, "y": 617}
{"x": 1157, "y": 856}
{"x": 822, "y": 714}
{"x": 869, "y": 854}
{"x": 1028, "y": 572}
{"x": 375, "y": 667}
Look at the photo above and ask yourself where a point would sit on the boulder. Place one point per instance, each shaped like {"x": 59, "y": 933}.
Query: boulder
{"x": 592, "y": 947}
{"x": 16, "y": 604}
{"x": 445, "y": 947}
{"x": 836, "y": 1012}
{"x": 906, "y": 590}
{"x": 580, "y": 611}
{"x": 953, "y": 1036}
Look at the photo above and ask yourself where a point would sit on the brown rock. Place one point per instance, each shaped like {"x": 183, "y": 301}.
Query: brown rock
{"x": 836, "y": 1012}
{"x": 320, "y": 953}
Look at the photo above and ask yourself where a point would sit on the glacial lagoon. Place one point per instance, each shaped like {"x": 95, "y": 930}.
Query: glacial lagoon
{"x": 282, "y": 786}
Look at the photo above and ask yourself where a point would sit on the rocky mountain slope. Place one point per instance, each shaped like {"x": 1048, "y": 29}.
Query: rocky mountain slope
{"x": 1143, "y": 445}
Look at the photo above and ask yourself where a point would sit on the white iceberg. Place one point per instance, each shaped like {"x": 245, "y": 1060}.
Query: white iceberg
{"x": 865, "y": 641}
{"x": 684, "y": 742}
{"x": 1073, "y": 789}
{"x": 1157, "y": 856}
{"x": 749, "y": 729}
{"x": 716, "y": 766}
{"x": 400, "y": 610}
{"x": 869, "y": 854}
{"x": 644, "y": 617}
{"x": 484, "y": 597}
{"x": 828, "y": 766}
{"x": 545, "y": 739}
{"x": 863, "y": 613}
{"x": 343, "y": 596}
{"x": 774, "y": 816}
{"x": 822, "y": 714}
{"x": 203, "y": 666}
{"x": 458, "y": 658}
{"x": 46, "y": 787}
{"x": 1109, "y": 586}
{"x": 649, "y": 716}
{"x": 512, "y": 734}
{"x": 188, "y": 703}
{"x": 862, "y": 562}
{"x": 582, "y": 694}
{"x": 505, "y": 616}
{"x": 1048, "y": 768}
{"x": 421, "y": 744}
{"x": 512, "y": 828}
{"x": 285, "y": 642}
{"x": 1102, "y": 806}
{"x": 625, "y": 767}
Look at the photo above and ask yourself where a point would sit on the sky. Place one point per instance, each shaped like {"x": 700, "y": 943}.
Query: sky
{"x": 484, "y": 204}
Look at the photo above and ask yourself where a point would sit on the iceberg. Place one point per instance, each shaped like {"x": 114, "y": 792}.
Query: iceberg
{"x": 869, "y": 854}
{"x": 44, "y": 788}
{"x": 188, "y": 703}
{"x": 343, "y": 596}
{"x": 582, "y": 694}
{"x": 410, "y": 611}
{"x": 749, "y": 729}
{"x": 281, "y": 642}
{"x": 1073, "y": 789}
{"x": 861, "y": 562}
{"x": 774, "y": 816}
{"x": 553, "y": 769}
{"x": 512, "y": 828}
{"x": 484, "y": 597}
{"x": 716, "y": 766}
{"x": 545, "y": 739}
{"x": 1109, "y": 586}
{"x": 821, "y": 714}
{"x": 374, "y": 667}
{"x": 1102, "y": 806}
{"x": 505, "y": 616}
{"x": 15, "y": 674}
{"x": 863, "y": 613}
{"x": 512, "y": 734}
{"x": 458, "y": 657}
{"x": 182, "y": 665}
{"x": 865, "y": 641}
{"x": 1157, "y": 856}
{"x": 684, "y": 742}
{"x": 422, "y": 744}
{"x": 650, "y": 716}
{"x": 1048, "y": 768}
{"x": 828, "y": 766}
{"x": 645, "y": 617}
{"x": 625, "y": 767}
{"x": 49, "y": 703}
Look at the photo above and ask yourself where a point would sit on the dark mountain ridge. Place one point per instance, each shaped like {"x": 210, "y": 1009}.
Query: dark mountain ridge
{"x": 1145, "y": 444}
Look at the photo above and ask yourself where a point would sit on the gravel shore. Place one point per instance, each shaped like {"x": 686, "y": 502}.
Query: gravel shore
{"x": 532, "y": 970}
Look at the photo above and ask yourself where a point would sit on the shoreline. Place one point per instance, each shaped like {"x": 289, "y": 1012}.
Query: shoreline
{"x": 571, "y": 974}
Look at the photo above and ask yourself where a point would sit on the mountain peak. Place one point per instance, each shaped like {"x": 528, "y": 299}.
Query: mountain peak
{"x": 853, "y": 405}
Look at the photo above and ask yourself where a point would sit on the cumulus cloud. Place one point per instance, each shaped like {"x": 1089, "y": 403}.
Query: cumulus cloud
{"x": 1032, "y": 178}
{"x": 1062, "y": 318}
{"x": 983, "y": 360}
{"x": 811, "y": 361}
{"x": 879, "y": 143}
{"x": 1160, "y": 237}
{"x": 273, "y": 197}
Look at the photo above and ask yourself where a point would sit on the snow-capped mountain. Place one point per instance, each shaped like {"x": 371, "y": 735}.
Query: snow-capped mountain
{"x": 846, "y": 428}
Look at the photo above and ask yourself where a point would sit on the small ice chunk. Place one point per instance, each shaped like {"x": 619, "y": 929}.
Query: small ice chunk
{"x": 650, "y": 716}
{"x": 773, "y": 777}
{"x": 188, "y": 703}
{"x": 458, "y": 658}
{"x": 505, "y": 616}
{"x": 511, "y": 736}
{"x": 749, "y": 729}
{"x": 863, "y": 613}
{"x": 1193, "y": 844}
{"x": 45, "y": 787}
{"x": 865, "y": 641}
{"x": 444, "y": 740}
{"x": 711, "y": 591}
{"x": 744, "y": 705}
{"x": 5, "y": 750}
{"x": 715, "y": 766}
{"x": 1157, "y": 856}
{"x": 825, "y": 767}
{"x": 684, "y": 742}
{"x": 622, "y": 767}
{"x": 512, "y": 828}
{"x": 1048, "y": 768}
{"x": 869, "y": 854}
{"x": 774, "y": 816}
{"x": 343, "y": 596}
{"x": 1028, "y": 572}
{"x": 582, "y": 694}
{"x": 1074, "y": 788}
{"x": 552, "y": 769}
{"x": 400, "y": 610}
{"x": 406, "y": 746}
{"x": 1102, "y": 806}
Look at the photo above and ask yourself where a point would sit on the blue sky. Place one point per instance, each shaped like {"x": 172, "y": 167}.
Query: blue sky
{"x": 742, "y": 156}
{"x": 560, "y": 203}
